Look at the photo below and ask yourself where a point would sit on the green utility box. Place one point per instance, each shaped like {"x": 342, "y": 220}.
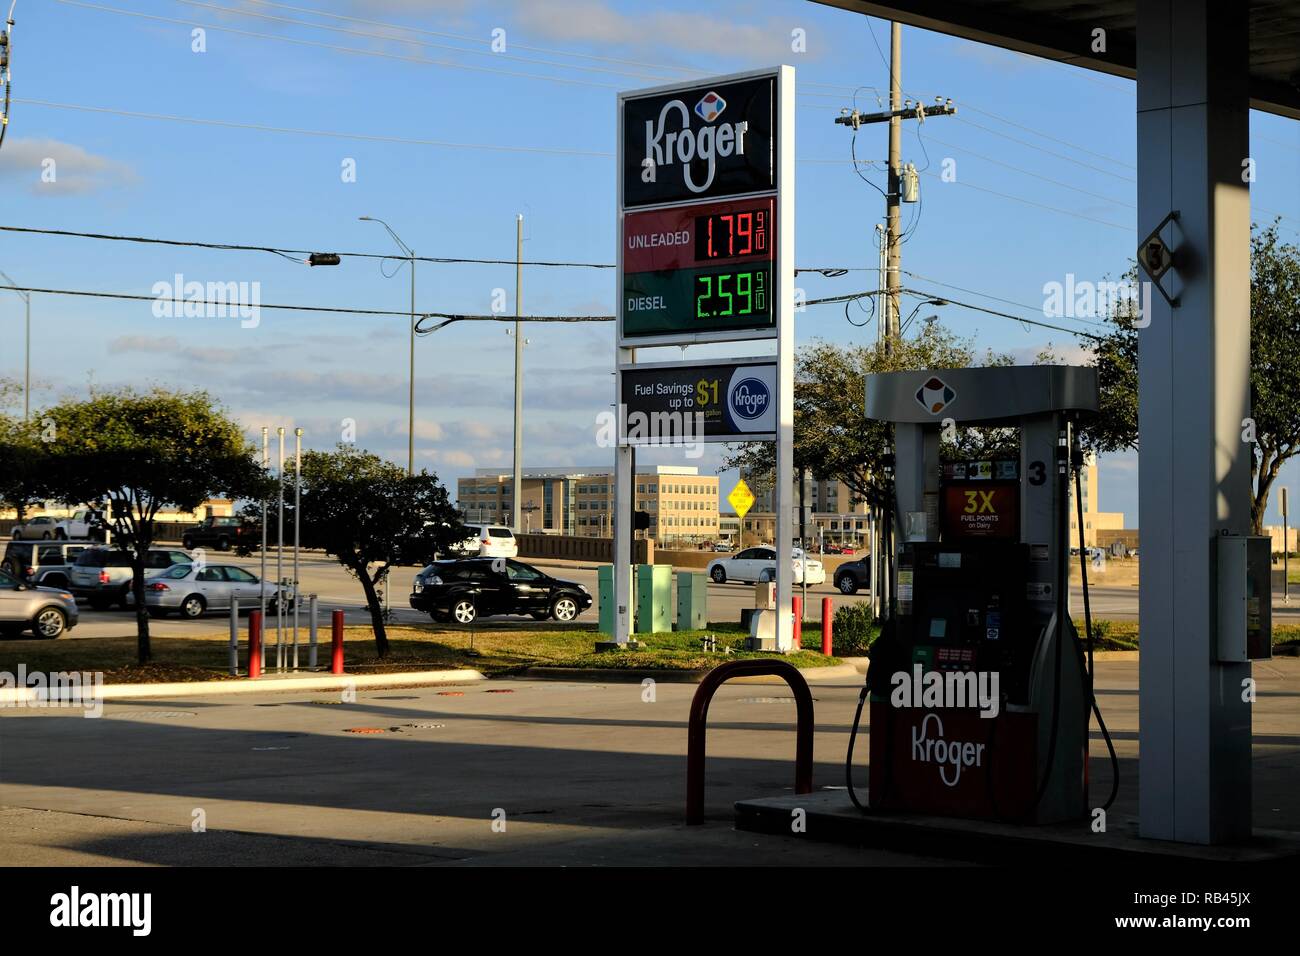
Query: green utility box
{"x": 692, "y": 601}
{"x": 605, "y": 597}
{"x": 654, "y": 598}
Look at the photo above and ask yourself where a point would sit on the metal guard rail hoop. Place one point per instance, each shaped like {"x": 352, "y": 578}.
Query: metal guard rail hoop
{"x": 803, "y": 758}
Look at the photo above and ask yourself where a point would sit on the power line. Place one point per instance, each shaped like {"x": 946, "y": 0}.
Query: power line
{"x": 235, "y": 307}
{"x": 1005, "y": 315}
{"x": 1049, "y": 152}
{"x": 1038, "y": 205}
{"x": 288, "y": 253}
{"x": 1026, "y": 172}
{"x": 921, "y": 294}
{"x": 994, "y": 192}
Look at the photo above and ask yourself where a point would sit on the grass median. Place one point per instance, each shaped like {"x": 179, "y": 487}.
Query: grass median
{"x": 493, "y": 651}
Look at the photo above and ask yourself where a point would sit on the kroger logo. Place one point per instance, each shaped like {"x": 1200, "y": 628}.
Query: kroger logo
{"x": 710, "y": 107}
{"x": 935, "y": 395}
{"x": 750, "y": 398}
{"x": 949, "y": 755}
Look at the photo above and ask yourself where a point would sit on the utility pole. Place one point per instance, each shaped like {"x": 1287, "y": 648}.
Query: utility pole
{"x": 899, "y": 177}
{"x": 517, "y": 496}
{"x": 894, "y": 181}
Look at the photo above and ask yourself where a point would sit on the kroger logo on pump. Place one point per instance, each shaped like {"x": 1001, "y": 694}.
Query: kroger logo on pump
{"x": 750, "y": 398}
{"x": 949, "y": 755}
{"x": 665, "y": 147}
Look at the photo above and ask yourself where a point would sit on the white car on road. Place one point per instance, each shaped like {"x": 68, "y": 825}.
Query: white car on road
{"x": 489, "y": 541}
{"x": 759, "y": 564}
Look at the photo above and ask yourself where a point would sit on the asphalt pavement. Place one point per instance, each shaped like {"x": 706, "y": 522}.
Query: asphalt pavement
{"x": 499, "y": 772}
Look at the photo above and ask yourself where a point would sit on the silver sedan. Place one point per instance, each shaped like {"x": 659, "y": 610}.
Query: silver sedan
{"x": 193, "y": 589}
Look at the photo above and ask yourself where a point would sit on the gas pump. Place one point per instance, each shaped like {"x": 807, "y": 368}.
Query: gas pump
{"x": 979, "y": 697}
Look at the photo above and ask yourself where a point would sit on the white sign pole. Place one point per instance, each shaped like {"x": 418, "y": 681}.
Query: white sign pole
{"x": 785, "y": 359}
{"x": 621, "y": 517}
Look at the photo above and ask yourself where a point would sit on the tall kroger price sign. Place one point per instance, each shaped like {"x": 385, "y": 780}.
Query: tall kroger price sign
{"x": 706, "y": 255}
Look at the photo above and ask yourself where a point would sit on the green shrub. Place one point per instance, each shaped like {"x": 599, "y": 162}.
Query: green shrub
{"x": 854, "y": 629}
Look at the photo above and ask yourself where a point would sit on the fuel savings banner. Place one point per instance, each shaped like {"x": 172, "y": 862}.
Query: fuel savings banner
{"x": 725, "y": 401}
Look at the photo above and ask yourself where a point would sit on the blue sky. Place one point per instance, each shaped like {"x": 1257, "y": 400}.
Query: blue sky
{"x": 533, "y": 138}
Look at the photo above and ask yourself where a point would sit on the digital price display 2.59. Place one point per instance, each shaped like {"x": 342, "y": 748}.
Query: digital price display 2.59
{"x": 741, "y": 292}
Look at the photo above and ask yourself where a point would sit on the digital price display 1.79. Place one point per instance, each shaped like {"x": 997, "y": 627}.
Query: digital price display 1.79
{"x": 732, "y": 235}
{"x": 738, "y": 293}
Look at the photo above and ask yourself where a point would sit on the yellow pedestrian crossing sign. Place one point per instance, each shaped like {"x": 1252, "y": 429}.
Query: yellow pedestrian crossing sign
{"x": 741, "y": 498}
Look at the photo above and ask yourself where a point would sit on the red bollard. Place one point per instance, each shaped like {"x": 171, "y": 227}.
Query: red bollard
{"x": 336, "y": 659}
{"x": 254, "y": 644}
{"x": 797, "y": 606}
{"x": 827, "y": 618}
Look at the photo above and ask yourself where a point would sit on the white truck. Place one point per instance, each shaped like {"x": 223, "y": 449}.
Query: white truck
{"x": 83, "y": 524}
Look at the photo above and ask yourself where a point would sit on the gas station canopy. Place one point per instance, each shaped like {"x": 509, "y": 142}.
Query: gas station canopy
{"x": 1062, "y": 30}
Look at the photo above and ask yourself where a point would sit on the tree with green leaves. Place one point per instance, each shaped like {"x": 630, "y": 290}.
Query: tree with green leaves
{"x": 832, "y": 435}
{"x": 142, "y": 452}
{"x": 19, "y": 450}
{"x": 1274, "y": 368}
{"x": 370, "y": 516}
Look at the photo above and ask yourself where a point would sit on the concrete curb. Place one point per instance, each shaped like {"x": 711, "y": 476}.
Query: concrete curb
{"x": 634, "y": 675}
{"x": 263, "y": 685}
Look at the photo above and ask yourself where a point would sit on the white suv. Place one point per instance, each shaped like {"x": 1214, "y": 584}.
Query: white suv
{"x": 490, "y": 541}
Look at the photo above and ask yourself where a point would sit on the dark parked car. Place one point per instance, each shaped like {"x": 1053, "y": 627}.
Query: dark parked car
{"x": 222, "y": 534}
{"x": 852, "y": 575}
{"x": 467, "y": 589}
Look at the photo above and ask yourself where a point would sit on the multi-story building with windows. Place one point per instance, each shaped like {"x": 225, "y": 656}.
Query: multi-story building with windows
{"x": 682, "y": 503}
{"x": 837, "y": 517}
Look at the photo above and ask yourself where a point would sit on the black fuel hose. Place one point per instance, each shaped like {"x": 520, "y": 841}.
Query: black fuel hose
{"x": 1087, "y": 626}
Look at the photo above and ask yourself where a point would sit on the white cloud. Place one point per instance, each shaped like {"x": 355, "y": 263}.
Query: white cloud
{"x": 74, "y": 169}
{"x": 593, "y": 21}
{"x": 170, "y": 345}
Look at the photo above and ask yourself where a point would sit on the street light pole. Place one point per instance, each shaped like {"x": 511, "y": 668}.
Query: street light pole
{"x": 410, "y": 420}
{"x": 519, "y": 375}
{"x": 27, "y": 361}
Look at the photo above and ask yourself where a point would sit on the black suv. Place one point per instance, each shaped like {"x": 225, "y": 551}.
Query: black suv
{"x": 222, "y": 533}
{"x": 467, "y": 589}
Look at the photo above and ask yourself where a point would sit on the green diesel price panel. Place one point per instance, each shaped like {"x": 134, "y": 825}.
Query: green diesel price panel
{"x": 698, "y": 300}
